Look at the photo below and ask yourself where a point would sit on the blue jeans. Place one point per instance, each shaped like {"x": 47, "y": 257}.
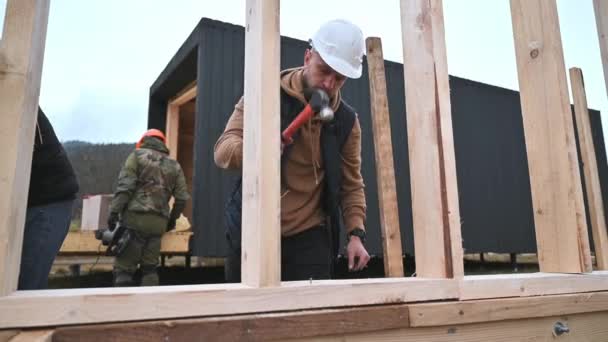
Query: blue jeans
{"x": 46, "y": 226}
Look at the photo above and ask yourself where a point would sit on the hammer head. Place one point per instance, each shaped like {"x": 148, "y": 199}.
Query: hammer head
{"x": 319, "y": 102}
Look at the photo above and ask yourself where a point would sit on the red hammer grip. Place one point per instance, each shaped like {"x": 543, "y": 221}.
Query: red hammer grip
{"x": 304, "y": 116}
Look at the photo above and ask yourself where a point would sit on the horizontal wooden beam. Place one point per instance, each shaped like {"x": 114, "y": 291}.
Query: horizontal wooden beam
{"x": 32, "y": 336}
{"x": 86, "y": 306}
{"x": 386, "y": 323}
{"x": 531, "y": 284}
{"x": 246, "y": 327}
{"x": 582, "y": 327}
{"x": 488, "y": 310}
{"x": 84, "y": 242}
{"x": 187, "y": 94}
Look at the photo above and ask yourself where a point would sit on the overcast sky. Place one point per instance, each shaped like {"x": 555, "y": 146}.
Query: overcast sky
{"x": 102, "y": 56}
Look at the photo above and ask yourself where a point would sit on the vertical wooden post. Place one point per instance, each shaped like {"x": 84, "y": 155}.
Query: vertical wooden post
{"x": 559, "y": 213}
{"x": 21, "y": 56}
{"x": 601, "y": 21}
{"x": 172, "y": 129}
{"x": 592, "y": 178}
{"x": 385, "y": 169}
{"x": 261, "y": 147}
{"x": 437, "y": 238}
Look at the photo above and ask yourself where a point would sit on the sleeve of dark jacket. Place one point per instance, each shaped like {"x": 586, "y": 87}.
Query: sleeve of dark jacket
{"x": 52, "y": 176}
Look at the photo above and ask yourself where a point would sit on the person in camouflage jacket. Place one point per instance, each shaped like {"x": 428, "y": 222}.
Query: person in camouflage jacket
{"x": 147, "y": 181}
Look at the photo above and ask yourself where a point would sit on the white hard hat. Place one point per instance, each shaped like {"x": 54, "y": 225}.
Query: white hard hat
{"x": 341, "y": 45}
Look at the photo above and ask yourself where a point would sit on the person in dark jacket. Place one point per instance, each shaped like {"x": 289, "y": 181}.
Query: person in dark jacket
{"x": 53, "y": 188}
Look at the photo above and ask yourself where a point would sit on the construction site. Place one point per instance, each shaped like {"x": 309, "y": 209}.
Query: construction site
{"x": 486, "y": 207}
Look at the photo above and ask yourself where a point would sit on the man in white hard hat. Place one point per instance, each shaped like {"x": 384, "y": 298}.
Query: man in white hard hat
{"x": 321, "y": 185}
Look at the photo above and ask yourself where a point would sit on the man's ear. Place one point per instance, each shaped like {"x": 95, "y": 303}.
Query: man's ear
{"x": 307, "y": 56}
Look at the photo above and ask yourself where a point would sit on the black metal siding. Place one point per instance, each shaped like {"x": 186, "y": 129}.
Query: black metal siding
{"x": 493, "y": 179}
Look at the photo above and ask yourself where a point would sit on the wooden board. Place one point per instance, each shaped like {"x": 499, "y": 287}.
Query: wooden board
{"x": 479, "y": 311}
{"x": 262, "y": 327}
{"x": 34, "y": 336}
{"x": 377, "y": 323}
{"x": 172, "y": 130}
{"x": 84, "y": 242}
{"x": 21, "y": 57}
{"x": 436, "y": 212}
{"x": 95, "y": 210}
{"x": 385, "y": 168}
{"x": 557, "y": 200}
{"x": 185, "y": 149}
{"x": 185, "y": 95}
{"x": 590, "y": 169}
{"x": 584, "y": 327}
{"x": 601, "y": 20}
{"x": 261, "y": 250}
{"x": 531, "y": 284}
{"x": 85, "y": 306}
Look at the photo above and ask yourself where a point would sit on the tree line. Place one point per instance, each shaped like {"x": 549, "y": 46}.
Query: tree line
{"x": 96, "y": 166}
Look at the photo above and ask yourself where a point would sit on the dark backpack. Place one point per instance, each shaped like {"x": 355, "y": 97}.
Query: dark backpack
{"x": 333, "y": 137}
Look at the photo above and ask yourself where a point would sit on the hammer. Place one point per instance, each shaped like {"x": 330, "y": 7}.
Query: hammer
{"x": 318, "y": 102}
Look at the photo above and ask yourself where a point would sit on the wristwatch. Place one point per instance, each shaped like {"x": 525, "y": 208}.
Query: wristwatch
{"x": 360, "y": 233}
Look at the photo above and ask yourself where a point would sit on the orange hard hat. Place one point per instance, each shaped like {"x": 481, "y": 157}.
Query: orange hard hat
{"x": 151, "y": 133}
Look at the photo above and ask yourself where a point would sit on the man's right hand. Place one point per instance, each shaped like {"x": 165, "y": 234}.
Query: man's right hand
{"x": 112, "y": 221}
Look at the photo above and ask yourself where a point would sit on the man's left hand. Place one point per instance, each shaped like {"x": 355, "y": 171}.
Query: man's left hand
{"x": 356, "y": 252}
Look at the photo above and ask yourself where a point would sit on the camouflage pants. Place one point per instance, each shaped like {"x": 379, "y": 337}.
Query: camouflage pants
{"x": 143, "y": 250}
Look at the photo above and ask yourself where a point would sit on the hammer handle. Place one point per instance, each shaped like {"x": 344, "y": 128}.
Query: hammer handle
{"x": 305, "y": 115}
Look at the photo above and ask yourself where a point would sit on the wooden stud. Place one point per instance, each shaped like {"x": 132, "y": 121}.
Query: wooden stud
{"x": 557, "y": 200}
{"x": 601, "y": 20}
{"x": 261, "y": 236}
{"x": 21, "y": 56}
{"x": 437, "y": 236}
{"x": 385, "y": 169}
{"x": 592, "y": 177}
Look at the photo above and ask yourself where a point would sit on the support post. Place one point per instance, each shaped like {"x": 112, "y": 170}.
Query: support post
{"x": 590, "y": 170}
{"x": 385, "y": 169}
{"x": 601, "y": 20}
{"x": 261, "y": 250}
{"x": 557, "y": 199}
{"x": 21, "y": 56}
{"x": 437, "y": 236}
